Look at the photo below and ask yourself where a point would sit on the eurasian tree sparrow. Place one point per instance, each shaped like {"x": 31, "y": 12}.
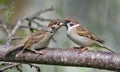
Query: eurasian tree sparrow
{"x": 81, "y": 36}
{"x": 38, "y": 39}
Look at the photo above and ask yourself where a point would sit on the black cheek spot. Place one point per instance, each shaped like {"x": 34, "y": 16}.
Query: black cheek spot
{"x": 53, "y": 27}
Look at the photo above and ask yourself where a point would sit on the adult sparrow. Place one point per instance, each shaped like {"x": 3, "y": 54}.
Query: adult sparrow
{"x": 81, "y": 36}
{"x": 38, "y": 39}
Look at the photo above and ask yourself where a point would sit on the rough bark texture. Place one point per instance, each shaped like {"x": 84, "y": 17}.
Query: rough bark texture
{"x": 67, "y": 57}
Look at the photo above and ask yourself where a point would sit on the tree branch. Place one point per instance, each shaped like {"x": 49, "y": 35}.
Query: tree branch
{"x": 68, "y": 57}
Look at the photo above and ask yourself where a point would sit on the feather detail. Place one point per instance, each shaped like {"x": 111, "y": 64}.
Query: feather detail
{"x": 14, "y": 49}
{"x": 56, "y": 21}
{"x": 72, "y": 20}
{"x": 34, "y": 38}
{"x": 82, "y": 31}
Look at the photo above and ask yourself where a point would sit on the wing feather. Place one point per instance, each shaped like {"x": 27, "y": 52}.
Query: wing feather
{"x": 34, "y": 38}
{"x": 82, "y": 31}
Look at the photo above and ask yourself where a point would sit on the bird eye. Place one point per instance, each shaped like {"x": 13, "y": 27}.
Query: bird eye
{"x": 71, "y": 24}
{"x": 58, "y": 24}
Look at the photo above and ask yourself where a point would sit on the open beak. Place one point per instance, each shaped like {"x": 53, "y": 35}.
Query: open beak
{"x": 60, "y": 24}
{"x": 63, "y": 23}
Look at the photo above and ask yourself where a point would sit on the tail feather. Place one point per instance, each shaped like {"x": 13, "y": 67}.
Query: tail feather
{"x": 101, "y": 45}
{"x": 14, "y": 50}
{"x": 109, "y": 49}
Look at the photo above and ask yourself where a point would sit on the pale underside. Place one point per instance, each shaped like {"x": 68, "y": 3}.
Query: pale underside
{"x": 81, "y": 40}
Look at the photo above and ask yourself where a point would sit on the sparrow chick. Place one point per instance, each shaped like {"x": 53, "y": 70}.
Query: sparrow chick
{"x": 38, "y": 39}
{"x": 81, "y": 36}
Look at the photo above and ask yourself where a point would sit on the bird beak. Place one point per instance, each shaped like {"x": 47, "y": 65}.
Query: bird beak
{"x": 58, "y": 26}
{"x": 63, "y": 23}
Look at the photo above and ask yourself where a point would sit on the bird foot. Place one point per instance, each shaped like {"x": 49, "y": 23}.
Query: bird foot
{"x": 40, "y": 53}
{"x": 83, "y": 49}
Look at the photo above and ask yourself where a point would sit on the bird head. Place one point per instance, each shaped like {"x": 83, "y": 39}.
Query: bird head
{"x": 70, "y": 22}
{"x": 54, "y": 25}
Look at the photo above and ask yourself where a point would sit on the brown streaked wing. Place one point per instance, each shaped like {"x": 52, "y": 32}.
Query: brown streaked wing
{"x": 34, "y": 38}
{"x": 84, "y": 32}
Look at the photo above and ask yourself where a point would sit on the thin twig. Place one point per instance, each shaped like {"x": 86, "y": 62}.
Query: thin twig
{"x": 19, "y": 69}
{"x": 53, "y": 39}
{"x": 4, "y": 63}
{"x": 3, "y": 25}
{"x": 38, "y": 24}
{"x": 29, "y": 27}
{"x": 30, "y": 24}
{"x": 9, "y": 66}
{"x": 34, "y": 16}
{"x": 39, "y": 13}
{"x": 12, "y": 33}
{"x": 37, "y": 67}
{"x": 16, "y": 38}
{"x": 6, "y": 29}
{"x": 43, "y": 11}
{"x": 42, "y": 19}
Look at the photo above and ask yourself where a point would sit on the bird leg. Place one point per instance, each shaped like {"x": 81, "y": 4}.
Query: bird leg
{"x": 81, "y": 48}
{"x": 84, "y": 48}
{"x": 20, "y": 52}
{"x": 78, "y": 47}
{"x": 38, "y": 52}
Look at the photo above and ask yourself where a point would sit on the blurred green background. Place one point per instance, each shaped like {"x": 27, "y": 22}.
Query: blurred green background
{"x": 102, "y": 17}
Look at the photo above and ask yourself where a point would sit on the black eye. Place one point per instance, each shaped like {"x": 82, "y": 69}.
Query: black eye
{"x": 58, "y": 24}
{"x": 71, "y": 24}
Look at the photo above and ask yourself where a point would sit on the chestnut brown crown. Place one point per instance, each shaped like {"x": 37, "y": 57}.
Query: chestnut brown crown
{"x": 72, "y": 20}
{"x": 55, "y": 22}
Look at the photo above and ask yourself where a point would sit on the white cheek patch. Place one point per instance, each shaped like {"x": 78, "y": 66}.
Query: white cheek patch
{"x": 71, "y": 27}
{"x": 68, "y": 24}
